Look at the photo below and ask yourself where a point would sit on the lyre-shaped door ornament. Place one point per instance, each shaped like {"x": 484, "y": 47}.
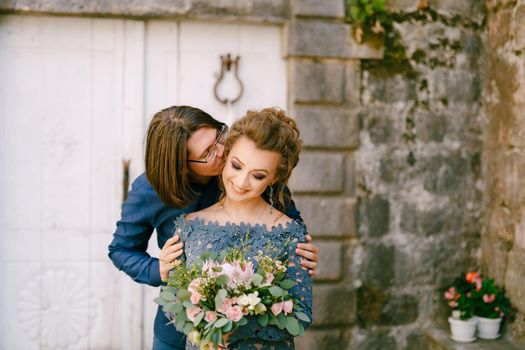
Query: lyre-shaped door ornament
{"x": 229, "y": 64}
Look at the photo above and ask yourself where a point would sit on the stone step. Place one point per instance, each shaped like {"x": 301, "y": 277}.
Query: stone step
{"x": 439, "y": 339}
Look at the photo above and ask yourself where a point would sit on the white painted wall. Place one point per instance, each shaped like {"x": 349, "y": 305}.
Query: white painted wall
{"x": 76, "y": 95}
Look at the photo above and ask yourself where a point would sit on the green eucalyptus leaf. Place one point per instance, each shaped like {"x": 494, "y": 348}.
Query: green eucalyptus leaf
{"x": 263, "y": 320}
{"x": 276, "y": 291}
{"x": 198, "y": 318}
{"x": 221, "y": 322}
{"x": 281, "y": 318}
{"x": 168, "y": 296}
{"x": 242, "y": 322}
{"x": 228, "y": 327}
{"x": 222, "y": 280}
{"x": 292, "y": 326}
{"x": 287, "y": 284}
{"x": 183, "y": 295}
{"x": 302, "y": 316}
{"x": 188, "y": 327}
{"x": 257, "y": 279}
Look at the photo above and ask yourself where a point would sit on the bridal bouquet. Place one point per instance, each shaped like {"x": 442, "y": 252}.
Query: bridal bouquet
{"x": 211, "y": 299}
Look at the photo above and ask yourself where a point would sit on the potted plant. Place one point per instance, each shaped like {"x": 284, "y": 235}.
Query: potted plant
{"x": 458, "y": 296}
{"x": 490, "y": 305}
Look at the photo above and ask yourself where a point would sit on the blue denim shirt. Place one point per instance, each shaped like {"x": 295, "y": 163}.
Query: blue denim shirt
{"x": 142, "y": 212}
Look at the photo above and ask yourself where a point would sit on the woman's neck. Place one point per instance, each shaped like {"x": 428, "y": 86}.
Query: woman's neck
{"x": 250, "y": 211}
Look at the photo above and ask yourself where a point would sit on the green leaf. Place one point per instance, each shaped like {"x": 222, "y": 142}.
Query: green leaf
{"x": 354, "y": 12}
{"x": 188, "y": 327}
{"x": 242, "y": 322}
{"x": 273, "y": 321}
{"x": 183, "y": 295}
{"x": 287, "y": 284}
{"x": 257, "y": 279}
{"x": 219, "y": 298}
{"x": 168, "y": 296}
{"x": 302, "y": 316}
{"x": 281, "y": 318}
{"x": 173, "y": 308}
{"x": 160, "y": 301}
{"x": 222, "y": 280}
{"x": 220, "y": 323}
{"x": 276, "y": 291}
{"x": 263, "y": 320}
{"x": 292, "y": 326}
{"x": 188, "y": 304}
{"x": 228, "y": 327}
{"x": 198, "y": 318}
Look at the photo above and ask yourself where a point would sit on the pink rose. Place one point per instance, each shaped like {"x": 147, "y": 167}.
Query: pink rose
{"x": 287, "y": 307}
{"x": 450, "y": 294}
{"x": 192, "y": 313}
{"x": 277, "y": 308}
{"x": 195, "y": 298}
{"x": 234, "y": 313}
{"x": 210, "y": 316}
{"x": 226, "y": 304}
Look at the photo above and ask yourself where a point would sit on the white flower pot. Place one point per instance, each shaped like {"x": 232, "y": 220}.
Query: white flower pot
{"x": 488, "y": 328}
{"x": 463, "y": 331}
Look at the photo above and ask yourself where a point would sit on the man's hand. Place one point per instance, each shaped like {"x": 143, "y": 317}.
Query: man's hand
{"x": 310, "y": 254}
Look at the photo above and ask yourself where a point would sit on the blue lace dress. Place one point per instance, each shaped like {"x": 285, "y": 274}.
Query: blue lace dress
{"x": 200, "y": 237}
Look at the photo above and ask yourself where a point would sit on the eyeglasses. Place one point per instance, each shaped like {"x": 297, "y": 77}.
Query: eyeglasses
{"x": 212, "y": 153}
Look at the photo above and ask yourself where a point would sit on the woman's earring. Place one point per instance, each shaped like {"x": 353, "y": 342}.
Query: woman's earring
{"x": 271, "y": 199}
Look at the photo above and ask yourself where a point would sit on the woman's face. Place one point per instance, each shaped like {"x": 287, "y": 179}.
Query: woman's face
{"x": 201, "y": 144}
{"x": 248, "y": 170}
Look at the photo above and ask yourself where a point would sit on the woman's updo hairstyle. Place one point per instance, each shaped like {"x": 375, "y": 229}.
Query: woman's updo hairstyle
{"x": 271, "y": 130}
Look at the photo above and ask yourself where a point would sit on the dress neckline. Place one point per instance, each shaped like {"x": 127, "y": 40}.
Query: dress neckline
{"x": 242, "y": 225}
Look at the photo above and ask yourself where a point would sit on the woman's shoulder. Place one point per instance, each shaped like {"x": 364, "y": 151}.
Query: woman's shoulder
{"x": 207, "y": 214}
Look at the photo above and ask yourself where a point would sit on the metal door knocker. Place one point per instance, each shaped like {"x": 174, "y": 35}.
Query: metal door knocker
{"x": 228, "y": 64}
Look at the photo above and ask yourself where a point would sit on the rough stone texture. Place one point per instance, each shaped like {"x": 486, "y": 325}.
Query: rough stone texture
{"x": 503, "y": 242}
{"x": 318, "y": 82}
{"x": 316, "y": 38}
{"x": 316, "y": 8}
{"x": 329, "y": 261}
{"x": 326, "y": 216}
{"x": 374, "y": 217}
{"x": 418, "y": 170}
{"x": 373, "y": 340}
{"x": 256, "y": 10}
{"x": 318, "y": 172}
{"x": 320, "y": 339}
{"x": 334, "y": 305}
{"x": 519, "y": 27}
{"x": 328, "y": 127}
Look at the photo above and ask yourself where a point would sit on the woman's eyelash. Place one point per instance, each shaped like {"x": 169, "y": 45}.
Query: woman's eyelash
{"x": 260, "y": 177}
{"x": 236, "y": 166}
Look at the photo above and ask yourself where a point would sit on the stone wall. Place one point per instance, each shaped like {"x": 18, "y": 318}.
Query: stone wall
{"x": 418, "y": 171}
{"x": 503, "y": 240}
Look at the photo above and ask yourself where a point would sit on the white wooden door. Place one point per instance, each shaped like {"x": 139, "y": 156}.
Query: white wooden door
{"x": 75, "y": 97}
{"x": 71, "y": 106}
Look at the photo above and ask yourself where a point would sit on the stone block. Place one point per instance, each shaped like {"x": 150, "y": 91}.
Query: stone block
{"x": 327, "y": 216}
{"x": 318, "y": 82}
{"x": 353, "y": 82}
{"x": 383, "y": 85}
{"x": 329, "y": 261}
{"x": 316, "y": 8}
{"x": 514, "y": 278}
{"x": 327, "y": 127}
{"x": 430, "y": 127}
{"x": 455, "y": 87}
{"x": 379, "y": 265}
{"x": 446, "y": 175}
{"x": 319, "y": 172}
{"x": 273, "y": 11}
{"x": 315, "y": 38}
{"x": 320, "y": 339}
{"x": 333, "y": 305}
{"x": 382, "y": 128}
{"x": 399, "y": 310}
{"x": 373, "y": 218}
{"x": 430, "y": 222}
{"x": 519, "y": 27}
